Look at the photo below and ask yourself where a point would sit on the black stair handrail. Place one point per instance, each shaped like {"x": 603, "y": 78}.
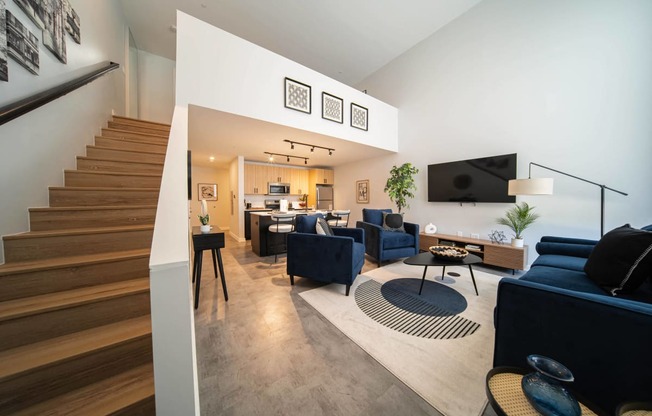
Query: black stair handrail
{"x": 24, "y": 106}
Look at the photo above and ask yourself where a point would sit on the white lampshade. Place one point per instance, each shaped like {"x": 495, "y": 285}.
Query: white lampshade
{"x": 532, "y": 186}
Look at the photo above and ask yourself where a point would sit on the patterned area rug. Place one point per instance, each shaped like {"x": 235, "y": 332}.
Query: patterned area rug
{"x": 448, "y": 369}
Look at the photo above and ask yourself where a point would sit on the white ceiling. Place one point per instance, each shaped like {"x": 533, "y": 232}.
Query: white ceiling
{"x": 346, "y": 40}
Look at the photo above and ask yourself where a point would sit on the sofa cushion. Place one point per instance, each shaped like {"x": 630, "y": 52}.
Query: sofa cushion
{"x": 622, "y": 259}
{"x": 393, "y": 222}
{"x": 562, "y": 278}
{"x": 322, "y": 227}
{"x": 561, "y": 262}
{"x": 396, "y": 240}
{"x": 374, "y": 216}
{"x": 306, "y": 223}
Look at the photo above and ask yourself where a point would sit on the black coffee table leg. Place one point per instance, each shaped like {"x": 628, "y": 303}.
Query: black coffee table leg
{"x": 423, "y": 279}
{"x": 473, "y": 278}
{"x": 443, "y": 272}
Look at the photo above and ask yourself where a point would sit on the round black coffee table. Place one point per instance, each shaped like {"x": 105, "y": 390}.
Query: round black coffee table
{"x": 427, "y": 259}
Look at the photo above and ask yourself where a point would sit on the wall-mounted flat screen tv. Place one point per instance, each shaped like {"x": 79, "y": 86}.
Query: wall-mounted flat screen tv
{"x": 475, "y": 180}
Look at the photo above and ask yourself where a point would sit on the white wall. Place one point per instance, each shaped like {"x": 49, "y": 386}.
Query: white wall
{"x": 220, "y": 71}
{"x": 220, "y": 210}
{"x": 236, "y": 195}
{"x": 49, "y": 138}
{"x": 564, "y": 84}
{"x": 156, "y": 79}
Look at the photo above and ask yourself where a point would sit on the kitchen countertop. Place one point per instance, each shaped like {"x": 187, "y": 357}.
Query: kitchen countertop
{"x": 297, "y": 211}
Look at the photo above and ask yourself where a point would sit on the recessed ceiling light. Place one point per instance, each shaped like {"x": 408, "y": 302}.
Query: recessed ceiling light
{"x": 212, "y": 158}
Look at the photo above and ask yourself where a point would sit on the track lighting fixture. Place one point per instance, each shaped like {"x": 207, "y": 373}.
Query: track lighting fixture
{"x": 287, "y": 157}
{"x": 311, "y": 146}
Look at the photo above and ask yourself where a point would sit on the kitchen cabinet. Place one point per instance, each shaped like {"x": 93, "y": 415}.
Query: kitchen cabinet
{"x": 322, "y": 176}
{"x": 255, "y": 179}
{"x": 299, "y": 181}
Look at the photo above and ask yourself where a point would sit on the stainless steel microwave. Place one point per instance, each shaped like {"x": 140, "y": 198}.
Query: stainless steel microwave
{"x": 277, "y": 188}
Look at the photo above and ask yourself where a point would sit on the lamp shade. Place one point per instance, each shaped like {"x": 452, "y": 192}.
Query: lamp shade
{"x": 532, "y": 186}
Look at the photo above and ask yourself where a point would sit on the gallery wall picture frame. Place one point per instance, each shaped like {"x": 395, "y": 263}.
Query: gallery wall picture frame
{"x": 332, "y": 108}
{"x": 362, "y": 191}
{"x": 22, "y": 45}
{"x": 36, "y": 10}
{"x": 207, "y": 191}
{"x": 54, "y": 32}
{"x": 298, "y": 96}
{"x": 72, "y": 22}
{"x": 359, "y": 117}
{"x": 4, "y": 68}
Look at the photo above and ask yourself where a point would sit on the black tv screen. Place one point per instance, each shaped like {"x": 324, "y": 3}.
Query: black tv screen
{"x": 475, "y": 180}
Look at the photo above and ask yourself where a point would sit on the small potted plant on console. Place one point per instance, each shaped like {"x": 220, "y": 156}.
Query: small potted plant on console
{"x": 518, "y": 218}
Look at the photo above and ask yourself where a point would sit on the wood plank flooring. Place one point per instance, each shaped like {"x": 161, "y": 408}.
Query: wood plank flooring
{"x": 267, "y": 352}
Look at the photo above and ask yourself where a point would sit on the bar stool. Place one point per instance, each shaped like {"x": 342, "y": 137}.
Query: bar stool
{"x": 284, "y": 224}
{"x": 213, "y": 241}
{"x": 341, "y": 218}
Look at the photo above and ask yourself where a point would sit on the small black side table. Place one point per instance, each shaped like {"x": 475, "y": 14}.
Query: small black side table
{"x": 427, "y": 259}
{"x": 213, "y": 241}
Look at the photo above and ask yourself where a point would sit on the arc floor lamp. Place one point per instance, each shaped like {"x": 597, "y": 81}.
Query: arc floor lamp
{"x": 543, "y": 186}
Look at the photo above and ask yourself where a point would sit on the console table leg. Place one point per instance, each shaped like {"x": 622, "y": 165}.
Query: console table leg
{"x": 473, "y": 278}
{"x": 214, "y": 262}
{"x": 221, "y": 266}
{"x": 423, "y": 279}
{"x": 198, "y": 282}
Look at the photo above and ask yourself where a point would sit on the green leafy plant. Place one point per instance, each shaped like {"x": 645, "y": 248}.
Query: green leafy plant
{"x": 400, "y": 185}
{"x": 518, "y": 218}
{"x": 204, "y": 219}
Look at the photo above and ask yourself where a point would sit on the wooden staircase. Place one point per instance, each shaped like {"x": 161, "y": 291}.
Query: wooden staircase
{"x": 75, "y": 328}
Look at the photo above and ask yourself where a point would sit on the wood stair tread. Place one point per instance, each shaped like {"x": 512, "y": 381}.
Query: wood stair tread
{"x": 164, "y": 135}
{"x": 101, "y": 188}
{"x": 107, "y": 172}
{"x": 93, "y": 208}
{"x": 140, "y": 121}
{"x": 78, "y": 231}
{"x": 71, "y": 261}
{"x": 33, "y": 356}
{"x": 124, "y": 150}
{"x": 161, "y": 143}
{"x": 104, "y": 397}
{"x": 108, "y": 159}
{"x": 17, "y": 308}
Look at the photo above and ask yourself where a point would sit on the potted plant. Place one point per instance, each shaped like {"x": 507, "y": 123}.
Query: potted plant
{"x": 204, "y": 219}
{"x": 518, "y": 218}
{"x": 400, "y": 185}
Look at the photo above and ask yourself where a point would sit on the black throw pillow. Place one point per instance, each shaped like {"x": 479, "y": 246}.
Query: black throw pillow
{"x": 393, "y": 222}
{"x": 323, "y": 228}
{"x": 622, "y": 260}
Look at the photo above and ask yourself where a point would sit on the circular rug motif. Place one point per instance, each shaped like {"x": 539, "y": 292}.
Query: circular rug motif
{"x": 397, "y": 305}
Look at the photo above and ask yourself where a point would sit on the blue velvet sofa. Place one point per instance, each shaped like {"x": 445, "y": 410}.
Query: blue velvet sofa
{"x": 557, "y": 311}
{"x": 331, "y": 259}
{"x": 384, "y": 245}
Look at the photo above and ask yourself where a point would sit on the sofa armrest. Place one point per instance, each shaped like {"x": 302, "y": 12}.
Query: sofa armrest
{"x": 356, "y": 233}
{"x": 319, "y": 256}
{"x": 565, "y": 249}
{"x": 372, "y": 238}
{"x": 413, "y": 229}
{"x": 567, "y": 240}
{"x": 597, "y": 337}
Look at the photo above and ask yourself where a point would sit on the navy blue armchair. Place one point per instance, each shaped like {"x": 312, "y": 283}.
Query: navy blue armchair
{"x": 387, "y": 245}
{"x": 331, "y": 259}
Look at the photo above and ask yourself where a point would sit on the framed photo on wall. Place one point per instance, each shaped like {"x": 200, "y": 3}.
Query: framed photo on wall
{"x": 332, "y": 107}
{"x": 359, "y": 117}
{"x": 298, "y": 96}
{"x": 207, "y": 191}
{"x": 362, "y": 191}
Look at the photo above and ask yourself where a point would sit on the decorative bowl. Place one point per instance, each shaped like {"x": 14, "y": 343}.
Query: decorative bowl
{"x": 448, "y": 252}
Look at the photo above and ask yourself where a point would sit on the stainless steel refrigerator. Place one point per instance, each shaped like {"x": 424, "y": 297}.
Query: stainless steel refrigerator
{"x": 325, "y": 197}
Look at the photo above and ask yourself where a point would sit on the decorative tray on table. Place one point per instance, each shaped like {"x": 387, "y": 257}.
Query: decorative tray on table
{"x": 448, "y": 252}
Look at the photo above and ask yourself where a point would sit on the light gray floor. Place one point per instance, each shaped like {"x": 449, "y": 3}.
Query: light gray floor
{"x": 267, "y": 352}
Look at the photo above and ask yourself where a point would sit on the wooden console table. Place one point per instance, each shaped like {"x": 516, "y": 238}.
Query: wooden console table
{"x": 501, "y": 255}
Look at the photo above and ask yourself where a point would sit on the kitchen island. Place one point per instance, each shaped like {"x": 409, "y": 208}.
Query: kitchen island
{"x": 260, "y": 222}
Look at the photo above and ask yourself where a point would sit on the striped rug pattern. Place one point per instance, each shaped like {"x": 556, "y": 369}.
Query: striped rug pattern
{"x": 410, "y": 315}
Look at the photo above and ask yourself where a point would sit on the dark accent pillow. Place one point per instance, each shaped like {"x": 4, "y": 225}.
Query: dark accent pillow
{"x": 323, "y": 228}
{"x": 622, "y": 260}
{"x": 393, "y": 222}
